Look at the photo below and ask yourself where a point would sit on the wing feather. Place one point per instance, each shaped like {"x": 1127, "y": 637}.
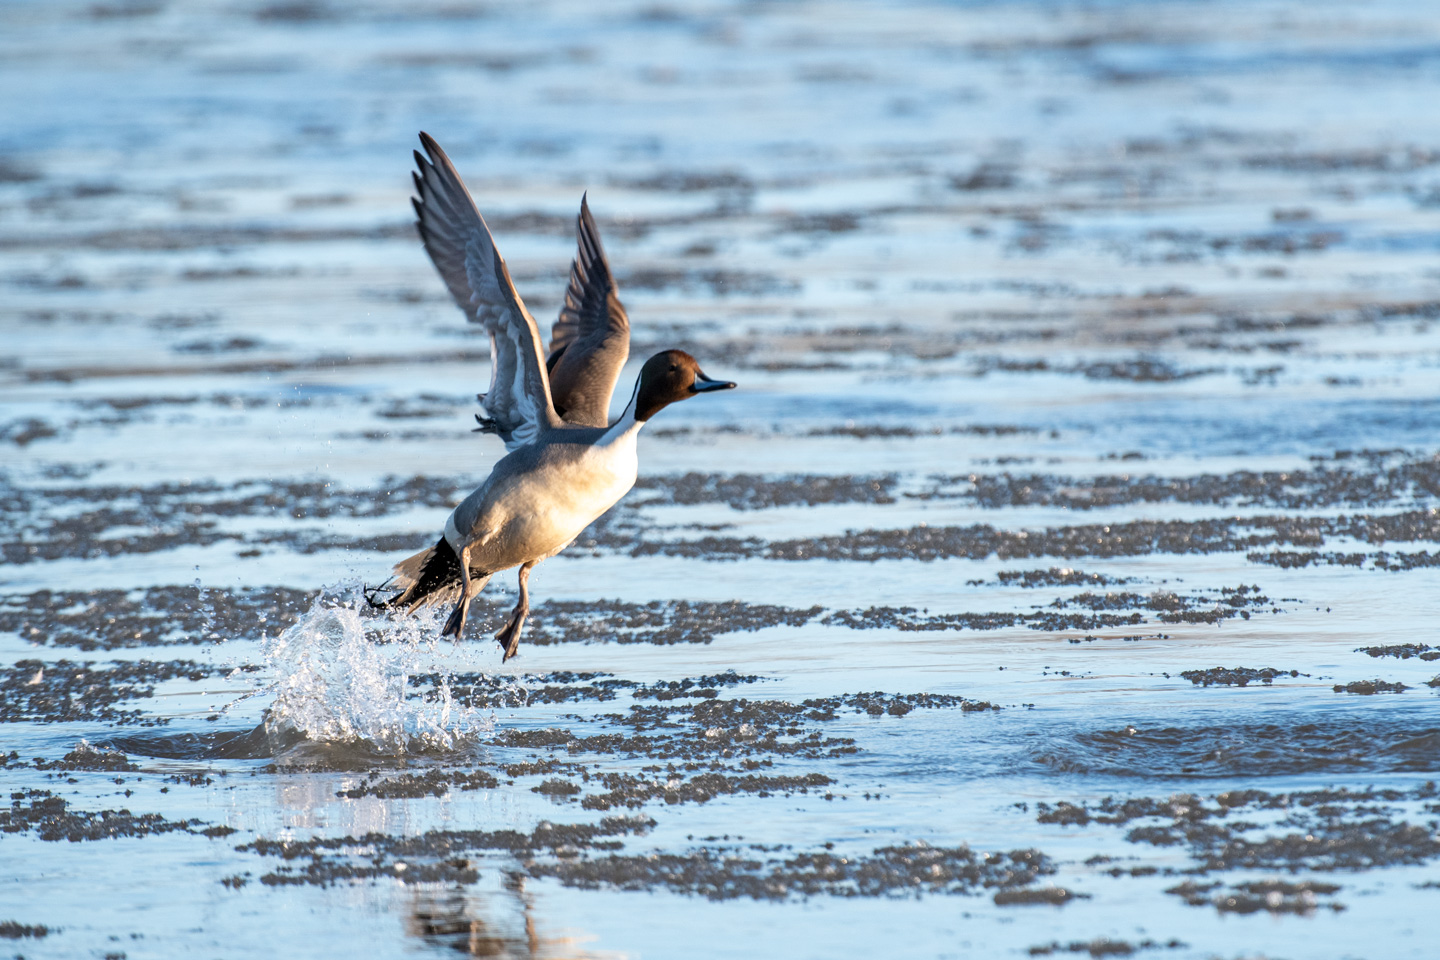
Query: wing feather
{"x": 463, "y": 251}
{"x": 590, "y": 340}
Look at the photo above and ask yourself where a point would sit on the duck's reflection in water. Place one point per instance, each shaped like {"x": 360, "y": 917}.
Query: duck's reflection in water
{"x": 489, "y": 924}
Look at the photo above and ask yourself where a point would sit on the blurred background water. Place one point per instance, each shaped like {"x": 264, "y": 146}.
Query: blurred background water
{"x": 1080, "y": 345}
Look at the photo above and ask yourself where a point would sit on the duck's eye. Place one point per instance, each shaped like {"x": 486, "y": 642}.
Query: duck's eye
{"x": 673, "y": 368}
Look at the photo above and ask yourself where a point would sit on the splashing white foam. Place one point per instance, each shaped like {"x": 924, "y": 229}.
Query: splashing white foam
{"x": 342, "y": 678}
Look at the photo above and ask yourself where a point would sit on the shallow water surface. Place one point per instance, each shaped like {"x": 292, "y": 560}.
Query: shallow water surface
{"x": 1060, "y": 582}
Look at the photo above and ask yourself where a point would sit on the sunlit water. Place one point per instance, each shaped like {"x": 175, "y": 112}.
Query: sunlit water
{"x": 1041, "y": 313}
{"x": 341, "y": 679}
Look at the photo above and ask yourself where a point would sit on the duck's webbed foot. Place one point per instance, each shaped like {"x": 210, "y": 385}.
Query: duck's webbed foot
{"x": 509, "y": 635}
{"x": 372, "y": 592}
{"x": 455, "y": 626}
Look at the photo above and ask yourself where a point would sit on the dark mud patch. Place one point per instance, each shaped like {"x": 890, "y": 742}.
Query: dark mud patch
{"x": 51, "y": 523}
{"x": 485, "y": 690}
{"x": 433, "y": 783}
{"x": 1369, "y": 688}
{"x": 1134, "y": 369}
{"x": 24, "y": 432}
{"x": 36, "y": 691}
{"x": 1379, "y": 560}
{"x": 256, "y": 743}
{"x": 628, "y": 790}
{"x": 560, "y": 852}
{"x": 431, "y": 857}
{"x": 911, "y": 619}
{"x": 1056, "y": 577}
{"x": 663, "y": 623}
{"x": 1133, "y": 538}
{"x": 13, "y": 930}
{"x": 1111, "y": 609}
{"x": 1335, "y": 745}
{"x": 716, "y": 282}
{"x": 1237, "y": 676}
{"x": 1315, "y": 830}
{"x": 876, "y": 431}
{"x": 742, "y": 491}
{"x": 288, "y": 751}
{"x": 1409, "y": 482}
{"x": 1101, "y": 947}
{"x": 728, "y": 874}
{"x": 705, "y": 687}
{"x": 713, "y": 730}
{"x": 182, "y": 238}
{"x": 51, "y": 819}
{"x": 1049, "y": 896}
{"x": 86, "y": 757}
{"x": 154, "y": 616}
{"x": 1402, "y": 651}
{"x": 1275, "y": 897}
{"x": 44, "y": 525}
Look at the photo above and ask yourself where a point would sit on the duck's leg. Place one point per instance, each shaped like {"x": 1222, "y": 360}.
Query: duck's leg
{"x": 509, "y": 635}
{"x": 455, "y": 626}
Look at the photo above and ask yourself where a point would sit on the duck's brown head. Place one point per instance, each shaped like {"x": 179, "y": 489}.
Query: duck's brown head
{"x": 670, "y": 377}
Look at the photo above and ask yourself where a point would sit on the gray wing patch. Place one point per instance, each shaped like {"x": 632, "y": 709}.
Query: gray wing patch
{"x": 590, "y": 341}
{"x": 463, "y": 251}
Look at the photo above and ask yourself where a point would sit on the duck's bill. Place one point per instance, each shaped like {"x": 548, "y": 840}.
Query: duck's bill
{"x": 704, "y": 384}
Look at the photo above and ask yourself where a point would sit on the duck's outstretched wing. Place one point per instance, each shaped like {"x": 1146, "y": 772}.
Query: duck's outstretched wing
{"x": 591, "y": 340}
{"x": 460, "y": 245}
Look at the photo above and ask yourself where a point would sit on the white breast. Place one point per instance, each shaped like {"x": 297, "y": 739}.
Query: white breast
{"x": 537, "y": 515}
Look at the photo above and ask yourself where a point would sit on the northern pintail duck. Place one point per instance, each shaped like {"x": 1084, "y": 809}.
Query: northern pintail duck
{"x": 567, "y": 464}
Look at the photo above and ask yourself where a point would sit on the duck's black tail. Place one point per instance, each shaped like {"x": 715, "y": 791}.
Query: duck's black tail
{"x": 430, "y": 576}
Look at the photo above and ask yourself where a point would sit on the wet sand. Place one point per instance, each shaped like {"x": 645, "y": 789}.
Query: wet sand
{"x": 1060, "y": 581}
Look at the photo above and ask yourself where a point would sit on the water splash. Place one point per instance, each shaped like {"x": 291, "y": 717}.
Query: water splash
{"x": 342, "y": 675}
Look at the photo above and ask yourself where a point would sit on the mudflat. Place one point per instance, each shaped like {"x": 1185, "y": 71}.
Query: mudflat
{"x": 1061, "y": 581}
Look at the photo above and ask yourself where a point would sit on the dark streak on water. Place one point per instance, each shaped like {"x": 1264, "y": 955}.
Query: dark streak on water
{"x": 1006, "y": 285}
